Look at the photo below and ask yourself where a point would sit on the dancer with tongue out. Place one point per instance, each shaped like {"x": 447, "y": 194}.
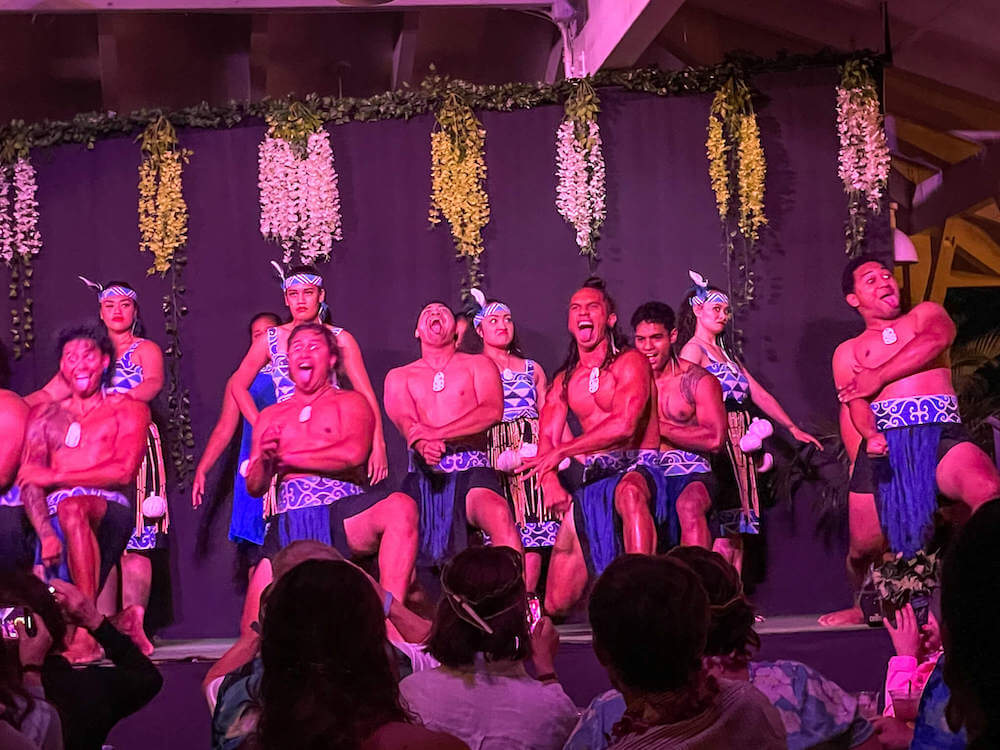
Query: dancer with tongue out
{"x": 894, "y": 385}
{"x": 443, "y": 404}
{"x": 611, "y": 392}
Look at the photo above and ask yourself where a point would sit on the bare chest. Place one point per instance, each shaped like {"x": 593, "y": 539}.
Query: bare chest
{"x": 309, "y": 422}
{"x": 442, "y": 395}
{"x": 590, "y": 395}
{"x": 872, "y": 348}
{"x": 79, "y": 441}
{"x": 673, "y": 403}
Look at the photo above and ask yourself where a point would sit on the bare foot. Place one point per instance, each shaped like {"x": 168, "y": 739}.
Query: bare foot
{"x": 83, "y": 649}
{"x": 842, "y": 617}
{"x": 129, "y": 621}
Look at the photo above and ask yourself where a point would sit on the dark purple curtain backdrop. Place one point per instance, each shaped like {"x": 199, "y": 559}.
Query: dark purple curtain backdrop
{"x": 661, "y": 221}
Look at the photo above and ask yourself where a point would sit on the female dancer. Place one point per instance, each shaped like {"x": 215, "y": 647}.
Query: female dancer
{"x": 703, "y": 316}
{"x": 524, "y": 386}
{"x": 304, "y": 297}
{"x": 138, "y": 370}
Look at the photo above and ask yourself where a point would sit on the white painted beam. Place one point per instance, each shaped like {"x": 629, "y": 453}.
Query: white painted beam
{"x": 92, "y": 6}
{"x": 617, "y": 32}
{"x": 405, "y": 49}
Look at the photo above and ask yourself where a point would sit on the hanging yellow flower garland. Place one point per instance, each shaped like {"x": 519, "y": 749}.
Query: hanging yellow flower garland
{"x": 163, "y": 214}
{"x": 163, "y": 225}
{"x": 737, "y": 171}
{"x": 458, "y": 177}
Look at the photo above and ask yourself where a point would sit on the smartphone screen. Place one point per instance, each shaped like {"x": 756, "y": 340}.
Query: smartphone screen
{"x": 534, "y": 611}
{"x": 10, "y": 616}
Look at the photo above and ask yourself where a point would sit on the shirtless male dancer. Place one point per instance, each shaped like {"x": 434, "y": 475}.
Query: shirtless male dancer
{"x": 305, "y": 298}
{"x": 912, "y": 445}
{"x": 81, "y": 455}
{"x": 17, "y": 539}
{"x": 692, "y": 420}
{"x": 443, "y": 404}
{"x": 611, "y": 393}
{"x": 317, "y": 444}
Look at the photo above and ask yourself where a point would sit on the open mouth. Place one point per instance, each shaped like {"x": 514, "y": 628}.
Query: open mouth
{"x": 891, "y": 299}
{"x": 435, "y": 325}
{"x": 82, "y": 381}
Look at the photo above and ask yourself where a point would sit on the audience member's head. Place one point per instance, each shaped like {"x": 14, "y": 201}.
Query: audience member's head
{"x": 650, "y": 621}
{"x": 483, "y": 608}
{"x": 970, "y": 609}
{"x": 298, "y": 552}
{"x": 327, "y": 679}
{"x": 731, "y": 635}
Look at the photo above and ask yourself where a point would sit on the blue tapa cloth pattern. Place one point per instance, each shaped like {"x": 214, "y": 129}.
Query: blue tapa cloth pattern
{"x": 906, "y": 481}
{"x": 813, "y": 709}
{"x": 313, "y": 491}
{"x": 596, "y": 499}
{"x": 12, "y": 497}
{"x": 127, "y": 374}
{"x": 54, "y": 498}
{"x": 670, "y": 471}
{"x": 520, "y": 397}
{"x": 734, "y": 382}
{"x": 891, "y": 413}
{"x": 247, "y": 520}
{"x": 437, "y": 503}
{"x": 284, "y": 387}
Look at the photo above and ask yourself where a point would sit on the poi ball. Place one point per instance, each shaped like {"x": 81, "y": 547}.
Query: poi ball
{"x": 762, "y": 428}
{"x": 154, "y": 506}
{"x": 750, "y": 443}
{"x": 244, "y": 467}
{"x": 529, "y": 450}
{"x": 508, "y": 461}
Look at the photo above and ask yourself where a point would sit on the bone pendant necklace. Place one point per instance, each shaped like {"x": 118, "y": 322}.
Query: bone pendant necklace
{"x": 889, "y": 336}
{"x": 72, "y": 439}
{"x": 305, "y": 414}
{"x": 437, "y": 384}
{"x": 594, "y": 382}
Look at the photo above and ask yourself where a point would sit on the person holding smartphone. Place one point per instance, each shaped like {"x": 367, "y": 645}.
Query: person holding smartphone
{"x": 26, "y": 718}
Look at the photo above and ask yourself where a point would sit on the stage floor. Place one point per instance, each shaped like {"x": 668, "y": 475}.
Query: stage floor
{"x": 854, "y": 657}
{"x": 210, "y": 649}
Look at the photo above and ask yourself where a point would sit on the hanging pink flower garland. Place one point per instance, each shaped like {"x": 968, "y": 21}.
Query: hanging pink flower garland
{"x": 580, "y": 193}
{"x": 299, "y": 193}
{"x": 864, "y": 154}
{"x": 20, "y": 241}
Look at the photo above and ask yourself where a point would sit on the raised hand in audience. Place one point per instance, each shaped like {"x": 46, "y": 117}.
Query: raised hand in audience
{"x": 905, "y": 633}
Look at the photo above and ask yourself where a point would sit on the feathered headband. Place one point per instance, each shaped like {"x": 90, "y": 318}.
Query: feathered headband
{"x": 115, "y": 290}
{"x": 297, "y": 279}
{"x": 485, "y": 309}
{"x": 702, "y": 293}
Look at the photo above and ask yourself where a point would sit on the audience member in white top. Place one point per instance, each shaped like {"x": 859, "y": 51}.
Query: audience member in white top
{"x": 650, "y": 618}
{"x": 482, "y": 692}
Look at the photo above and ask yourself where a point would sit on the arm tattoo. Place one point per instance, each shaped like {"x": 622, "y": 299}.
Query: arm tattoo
{"x": 689, "y": 382}
{"x": 38, "y": 446}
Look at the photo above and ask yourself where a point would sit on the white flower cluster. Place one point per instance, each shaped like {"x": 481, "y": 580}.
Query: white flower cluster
{"x": 19, "y": 233}
{"x": 864, "y": 153}
{"x": 580, "y": 193}
{"x": 299, "y": 197}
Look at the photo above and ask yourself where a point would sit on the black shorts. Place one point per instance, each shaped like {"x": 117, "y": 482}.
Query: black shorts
{"x": 283, "y": 528}
{"x": 866, "y": 468}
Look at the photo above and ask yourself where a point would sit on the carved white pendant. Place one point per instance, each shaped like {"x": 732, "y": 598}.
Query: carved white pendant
{"x": 73, "y": 435}
{"x": 438, "y": 385}
{"x": 306, "y": 414}
{"x": 889, "y": 336}
{"x": 595, "y": 380}
{"x": 508, "y": 373}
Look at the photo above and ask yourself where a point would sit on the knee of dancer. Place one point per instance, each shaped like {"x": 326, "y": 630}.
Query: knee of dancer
{"x": 403, "y": 511}
{"x": 690, "y": 510}
{"x": 631, "y": 501}
{"x": 71, "y": 514}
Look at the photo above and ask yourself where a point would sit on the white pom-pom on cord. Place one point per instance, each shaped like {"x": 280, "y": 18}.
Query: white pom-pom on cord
{"x": 154, "y": 506}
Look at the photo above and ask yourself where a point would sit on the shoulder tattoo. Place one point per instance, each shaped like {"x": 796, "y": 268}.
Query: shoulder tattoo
{"x": 689, "y": 381}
